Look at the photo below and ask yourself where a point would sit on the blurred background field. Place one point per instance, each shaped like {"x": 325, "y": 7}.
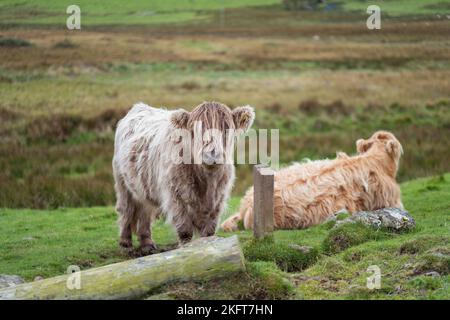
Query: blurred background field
{"x": 314, "y": 71}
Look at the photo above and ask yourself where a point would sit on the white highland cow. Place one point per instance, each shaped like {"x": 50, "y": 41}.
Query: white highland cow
{"x": 150, "y": 181}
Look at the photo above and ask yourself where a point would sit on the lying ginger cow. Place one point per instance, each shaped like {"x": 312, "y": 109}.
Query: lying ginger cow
{"x": 306, "y": 194}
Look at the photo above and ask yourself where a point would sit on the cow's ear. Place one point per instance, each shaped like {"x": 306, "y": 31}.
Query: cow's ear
{"x": 180, "y": 119}
{"x": 362, "y": 146}
{"x": 243, "y": 117}
{"x": 394, "y": 148}
{"x": 359, "y": 145}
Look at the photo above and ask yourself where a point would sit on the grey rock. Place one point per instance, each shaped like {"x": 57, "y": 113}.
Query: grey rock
{"x": 303, "y": 249}
{"x": 440, "y": 255}
{"x": 9, "y": 280}
{"x": 389, "y": 218}
{"x": 432, "y": 274}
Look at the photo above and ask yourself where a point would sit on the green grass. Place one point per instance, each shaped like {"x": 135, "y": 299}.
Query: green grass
{"x": 13, "y": 42}
{"x": 400, "y": 7}
{"x": 350, "y": 235}
{"x": 45, "y": 243}
{"x": 402, "y": 258}
{"x": 143, "y": 12}
{"x": 291, "y": 264}
{"x": 288, "y": 257}
{"x": 116, "y": 12}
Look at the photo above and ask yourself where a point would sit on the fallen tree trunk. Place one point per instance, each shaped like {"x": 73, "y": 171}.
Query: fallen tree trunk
{"x": 203, "y": 259}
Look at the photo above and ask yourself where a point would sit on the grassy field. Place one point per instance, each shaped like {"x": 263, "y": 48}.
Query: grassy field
{"x": 44, "y": 243}
{"x": 402, "y": 7}
{"x": 144, "y": 12}
{"x": 117, "y": 12}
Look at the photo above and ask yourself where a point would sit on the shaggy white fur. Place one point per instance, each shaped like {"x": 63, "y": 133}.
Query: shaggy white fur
{"x": 149, "y": 181}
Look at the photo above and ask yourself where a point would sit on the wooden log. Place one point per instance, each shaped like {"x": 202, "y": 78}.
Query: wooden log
{"x": 202, "y": 259}
{"x": 263, "y": 184}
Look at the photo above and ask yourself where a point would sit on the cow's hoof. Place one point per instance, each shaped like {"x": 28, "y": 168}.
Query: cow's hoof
{"x": 126, "y": 247}
{"x": 147, "y": 249}
{"x": 129, "y": 252}
{"x": 184, "y": 238}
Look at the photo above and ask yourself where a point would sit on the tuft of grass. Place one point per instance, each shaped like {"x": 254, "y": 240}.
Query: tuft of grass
{"x": 287, "y": 257}
{"x": 14, "y": 42}
{"x": 271, "y": 281}
{"x": 349, "y": 235}
{"x": 421, "y": 244}
{"x": 65, "y": 44}
{"x": 434, "y": 260}
{"x": 261, "y": 280}
{"x": 425, "y": 283}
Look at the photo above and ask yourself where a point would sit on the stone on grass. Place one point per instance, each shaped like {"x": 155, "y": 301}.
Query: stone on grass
{"x": 386, "y": 218}
{"x": 432, "y": 274}
{"x": 303, "y": 249}
{"x": 9, "y": 280}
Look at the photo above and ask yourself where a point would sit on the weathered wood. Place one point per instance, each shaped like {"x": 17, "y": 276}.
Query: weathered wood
{"x": 263, "y": 184}
{"x": 203, "y": 259}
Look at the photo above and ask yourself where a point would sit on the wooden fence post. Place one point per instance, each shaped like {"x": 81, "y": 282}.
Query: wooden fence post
{"x": 263, "y": 182}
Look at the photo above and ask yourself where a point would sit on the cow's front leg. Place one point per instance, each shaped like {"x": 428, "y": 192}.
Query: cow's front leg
{"x": 126, "y": 209}
{"x": 182, "y": 221}
{"x": 144, "y": 231}
{"x": 207, "y": 226}
{"x": 185, "y": 234}
{"x": 208, "y": 229}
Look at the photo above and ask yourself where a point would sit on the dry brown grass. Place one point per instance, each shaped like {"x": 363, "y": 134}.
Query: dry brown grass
{"x": 97, "y": 48}
{"x": 407, "y": 62}
{"x": 90, "y": 97}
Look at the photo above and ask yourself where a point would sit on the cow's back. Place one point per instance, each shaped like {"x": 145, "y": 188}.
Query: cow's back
{"x": 141, "y": 137}
{"x": 142, "y": 121}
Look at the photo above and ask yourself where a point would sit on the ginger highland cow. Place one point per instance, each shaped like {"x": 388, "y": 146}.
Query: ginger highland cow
{"x": 307, "y": 194}
{"x": 149, "y": 182}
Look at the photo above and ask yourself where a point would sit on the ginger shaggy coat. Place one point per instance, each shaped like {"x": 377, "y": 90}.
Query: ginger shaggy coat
{"x": 307, "y": 194}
